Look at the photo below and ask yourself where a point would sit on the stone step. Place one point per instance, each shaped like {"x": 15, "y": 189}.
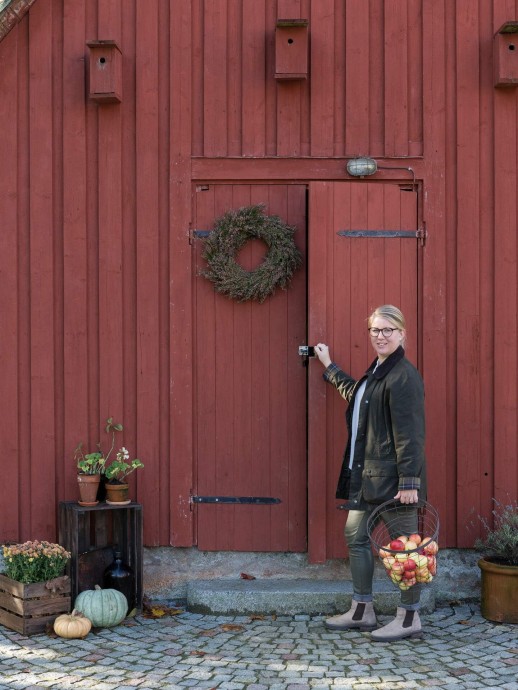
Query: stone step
{"x": 289, "y": 597}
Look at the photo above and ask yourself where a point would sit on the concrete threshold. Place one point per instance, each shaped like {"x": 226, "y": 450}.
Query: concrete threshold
{"x": 288, "y": 584}
{"x": 289, "y": 597}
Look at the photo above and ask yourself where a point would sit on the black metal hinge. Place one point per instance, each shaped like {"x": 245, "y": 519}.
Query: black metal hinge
{"x": 253, "y": 500}
{"x": 419, "y": 234}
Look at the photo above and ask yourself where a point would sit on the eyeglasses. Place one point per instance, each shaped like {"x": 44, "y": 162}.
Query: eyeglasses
{"x": 386, "y": 332}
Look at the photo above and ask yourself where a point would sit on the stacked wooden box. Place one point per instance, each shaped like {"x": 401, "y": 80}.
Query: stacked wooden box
{"x": 28, "y": 608}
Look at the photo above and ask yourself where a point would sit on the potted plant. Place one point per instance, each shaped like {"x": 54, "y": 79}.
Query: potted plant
{"x": 499, "y": 565}
{"x": 33, "y": 587}
{"x": 116, "y": 473}
{"x": 91, "y": 466}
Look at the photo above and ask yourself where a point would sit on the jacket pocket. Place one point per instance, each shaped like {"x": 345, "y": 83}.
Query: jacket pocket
{"x": 379, "y": 482}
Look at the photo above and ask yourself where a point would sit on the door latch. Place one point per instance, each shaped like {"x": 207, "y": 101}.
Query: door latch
{"x": 306, "y": 351}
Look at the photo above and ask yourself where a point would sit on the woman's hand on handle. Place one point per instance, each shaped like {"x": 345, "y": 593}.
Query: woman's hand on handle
{"x": 322, "y": 352}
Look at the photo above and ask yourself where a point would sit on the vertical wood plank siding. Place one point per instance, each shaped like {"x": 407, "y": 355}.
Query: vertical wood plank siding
{"x": 384, "y": 111}
{"x": 96, "y": 277}
{"x": 11, "y": 339}
{"x": 502, "y": 474}
{"x": 85, "y": 232}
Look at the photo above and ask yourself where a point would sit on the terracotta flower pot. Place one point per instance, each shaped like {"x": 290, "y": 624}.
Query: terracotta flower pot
{"x": 499, "y": 597}
{"x": 88, "y": 485}
{"x": 117, "y": 493}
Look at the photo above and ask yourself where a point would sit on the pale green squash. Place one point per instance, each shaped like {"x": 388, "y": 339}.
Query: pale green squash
{"x": 104, "y": 607}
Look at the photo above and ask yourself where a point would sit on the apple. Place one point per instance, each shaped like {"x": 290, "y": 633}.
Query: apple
{"x": 409, "y": 564}
{"x": 416, "y": 538}
{"x": 431, "y": 547}
{"x": 403, "y": 538}
{"x": 397, "y": 545}
{"x": 382, "y": 553}
{"x": 410, "y": 546}
{"x": 423, "y": 577}
{"x": 389, "y": 561}
{"x": 432, "y": 565}
{"x": 395, "y": 578}
{"x": 409, "y": 575}
{"x": 401, "y": 556}
{"x": 421, "y": 561}
{"x": 404, "y": 586}
{"x": 397, "y": 568}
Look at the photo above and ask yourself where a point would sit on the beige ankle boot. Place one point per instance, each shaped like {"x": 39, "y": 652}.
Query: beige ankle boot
{"x": 405, "y": 624}
{"x": 360, "y": 616}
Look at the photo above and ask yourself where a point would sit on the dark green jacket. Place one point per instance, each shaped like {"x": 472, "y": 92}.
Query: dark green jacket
{"x": 389, "y": 448}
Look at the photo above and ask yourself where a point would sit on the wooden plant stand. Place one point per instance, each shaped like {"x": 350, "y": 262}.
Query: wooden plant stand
{"x": 92, "y": 533}
{"x": 28, "y": 608}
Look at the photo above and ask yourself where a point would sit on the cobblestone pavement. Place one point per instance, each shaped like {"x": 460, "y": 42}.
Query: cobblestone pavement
{"x": 460, "y": 650}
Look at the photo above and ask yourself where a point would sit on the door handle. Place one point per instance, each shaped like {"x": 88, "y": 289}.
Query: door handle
{"x": 307, "y": 351}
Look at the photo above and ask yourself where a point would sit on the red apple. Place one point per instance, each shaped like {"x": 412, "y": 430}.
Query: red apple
{"x": 416, "y": 538}
{"x": 397, "y": 568}
{"x": 421, "y": 561}
{"x": 432, "y": 565}
{"x": 406, "y": 584}
{"x": 409, "y": 564}
{"x": 422, "y": 574}
{"x": 430, "y": 547}
{"x": 409, "y": 575}
{"x": 397, "y": 545}
{"x": 403, "y": 538}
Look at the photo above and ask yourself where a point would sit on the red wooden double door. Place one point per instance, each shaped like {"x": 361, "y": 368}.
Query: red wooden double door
{"x": 266, "y": 424}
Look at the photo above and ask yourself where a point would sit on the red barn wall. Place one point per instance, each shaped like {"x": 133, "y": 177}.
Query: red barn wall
{"x": 97, "y": 204}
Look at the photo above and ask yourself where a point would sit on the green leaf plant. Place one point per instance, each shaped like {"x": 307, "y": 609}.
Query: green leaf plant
{"x": 97, "y": 462}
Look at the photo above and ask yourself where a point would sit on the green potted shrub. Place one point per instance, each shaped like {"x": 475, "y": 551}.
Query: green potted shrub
{"x": 499, "y": 564}
{"x": 116, "y": 473}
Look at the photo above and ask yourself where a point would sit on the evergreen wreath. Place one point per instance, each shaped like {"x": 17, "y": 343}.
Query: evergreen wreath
{"x": 231, "y": 232}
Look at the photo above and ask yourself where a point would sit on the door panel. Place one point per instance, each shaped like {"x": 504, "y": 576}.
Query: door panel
{"x": 354, "y": 266}
{"x": 250, "y": 390}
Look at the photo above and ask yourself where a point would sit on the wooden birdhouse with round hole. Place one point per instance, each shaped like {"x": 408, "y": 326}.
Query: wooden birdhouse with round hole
{"x": 505, "y": 55}
{"x": 105, "y": 72}
{"x": 291, "y": 49}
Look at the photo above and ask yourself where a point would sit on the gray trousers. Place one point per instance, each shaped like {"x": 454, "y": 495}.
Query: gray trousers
{"x": 361, "y": 557}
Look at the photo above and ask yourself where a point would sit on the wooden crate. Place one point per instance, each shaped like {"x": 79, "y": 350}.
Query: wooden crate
{"x": 91, "y": 533}
{"x": 28, "y": 608}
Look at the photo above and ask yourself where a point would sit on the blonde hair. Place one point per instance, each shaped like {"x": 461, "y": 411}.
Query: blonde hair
{"x": 392, "y": 314}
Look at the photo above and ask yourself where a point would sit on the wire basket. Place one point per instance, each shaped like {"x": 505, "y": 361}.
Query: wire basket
{"x": 406, "y": 541}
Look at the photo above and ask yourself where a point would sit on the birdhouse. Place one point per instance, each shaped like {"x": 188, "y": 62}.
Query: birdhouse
{"x": 505, "y": 55}
{"x": 291, "y": 49}
{"x": 105, "y": 72}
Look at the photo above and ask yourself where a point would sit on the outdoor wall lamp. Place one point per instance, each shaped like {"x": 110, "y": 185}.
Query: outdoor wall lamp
{"x": 360, "y": 167}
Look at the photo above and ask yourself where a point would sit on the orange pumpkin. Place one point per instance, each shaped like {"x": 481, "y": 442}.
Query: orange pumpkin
{"x": 72, "y": 625}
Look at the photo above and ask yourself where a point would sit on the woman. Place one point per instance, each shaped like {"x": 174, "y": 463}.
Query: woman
{"x": 384, "y": 459}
